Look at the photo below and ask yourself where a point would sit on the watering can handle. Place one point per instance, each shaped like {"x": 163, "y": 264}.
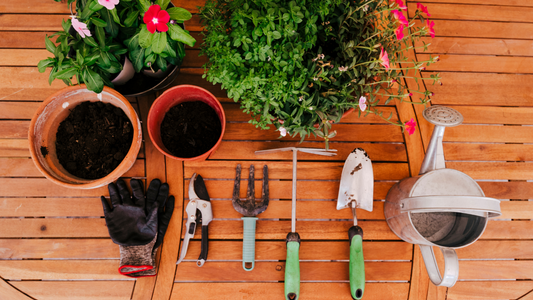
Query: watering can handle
{"x": 465, "y": 204}
{"x": 451, "y": 266}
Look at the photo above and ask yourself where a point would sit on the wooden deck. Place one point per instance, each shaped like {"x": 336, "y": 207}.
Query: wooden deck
{"x": 54, "y": 243}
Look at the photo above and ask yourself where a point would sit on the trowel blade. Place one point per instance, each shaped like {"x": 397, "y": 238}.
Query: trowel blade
{"x": 357, "y": 181}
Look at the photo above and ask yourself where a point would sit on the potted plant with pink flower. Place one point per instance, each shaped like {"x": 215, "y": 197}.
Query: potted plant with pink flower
{"x": 301, "y": 65}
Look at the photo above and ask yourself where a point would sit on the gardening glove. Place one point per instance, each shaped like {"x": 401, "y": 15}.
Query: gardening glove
{"x": 164, "y": 213}
{"x": 132, "y": 222}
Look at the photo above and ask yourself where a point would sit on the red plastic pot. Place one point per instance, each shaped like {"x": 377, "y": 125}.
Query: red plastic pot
{"x": 173, "y": 97}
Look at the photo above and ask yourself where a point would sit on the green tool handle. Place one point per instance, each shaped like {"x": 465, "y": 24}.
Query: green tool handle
{"x": 248, "y": 243}
{"x": 357, "y": 262}
{"x": 292, "y": 267}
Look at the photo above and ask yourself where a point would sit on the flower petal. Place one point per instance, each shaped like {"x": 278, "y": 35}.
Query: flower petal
{"x": 151, "y": 13}
{"x": 151, "y": 27}
{"x": 161, "y": 27}
{"x": 163, "y": 17}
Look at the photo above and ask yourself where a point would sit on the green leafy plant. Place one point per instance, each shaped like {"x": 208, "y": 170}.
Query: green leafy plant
{"x": 301, "y": 64}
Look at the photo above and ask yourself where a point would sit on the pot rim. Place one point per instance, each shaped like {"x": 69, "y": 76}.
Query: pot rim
{"x": 202, "y": 156}
{"x": 123, "y": 167}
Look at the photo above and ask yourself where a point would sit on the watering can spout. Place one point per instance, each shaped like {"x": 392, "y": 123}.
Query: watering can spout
{"x": 441, "y": 117}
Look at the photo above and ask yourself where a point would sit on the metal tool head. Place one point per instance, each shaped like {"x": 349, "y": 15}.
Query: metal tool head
{"x": 250, "y": 207}
{"x": 443, "y": 116}
{"x": 197, "y": 189}
{"x": 357, "y": 181}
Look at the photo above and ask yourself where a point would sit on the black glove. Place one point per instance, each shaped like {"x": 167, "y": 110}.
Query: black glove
{"x": 132, "y": 223}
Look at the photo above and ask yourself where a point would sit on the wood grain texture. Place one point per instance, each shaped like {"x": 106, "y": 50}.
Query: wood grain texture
{"x": 39, "y": 22}
{"x": 490, "y": 134}
{"x": 482, "y": 64}
{"x": 267, "y": 291}
{"x": 481, "y": 29}
{"x": 489, "y": 2}
{"x": 473, "y": 290}
{"x": 495, "y": 170}
{"x": 58, "y": 249}
{"x": 77, "y": 290}
{"x": 476, "y": 12}
{"x": 9, "y": 292}
{"x": 15, "y": 85}
{"x": 61, "y": 269}
{"x": 475, "y": 46}
{"x": 14, "y": 148}
{"x": 271, "y": 271}
{"x": 488, "y": 152}
{"x": 51, "y": 207}
{"x": 500, "y": 249}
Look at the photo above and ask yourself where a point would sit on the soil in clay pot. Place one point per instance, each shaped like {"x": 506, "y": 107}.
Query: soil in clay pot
{"x": 93, "y": 140}
{"x": 190, "y": 129}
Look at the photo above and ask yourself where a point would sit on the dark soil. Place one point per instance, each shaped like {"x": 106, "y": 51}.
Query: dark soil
{"x": 93, "y": 140}
{"x": 190, "y": 129}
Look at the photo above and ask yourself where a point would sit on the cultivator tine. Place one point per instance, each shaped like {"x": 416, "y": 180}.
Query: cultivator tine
{"x": 250, "y": 194}
{"x": 250, "y": 207}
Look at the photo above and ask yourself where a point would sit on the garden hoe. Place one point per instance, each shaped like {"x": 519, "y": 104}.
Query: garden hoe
{"x": 250, "y": 209}
{"x": 292, "y": 265}
{"x": 356, "y": 191}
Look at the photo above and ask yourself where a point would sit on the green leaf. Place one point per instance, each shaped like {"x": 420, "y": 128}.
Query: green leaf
{"x": 98, "y": 22}
{"x": 145, "y": 37}
{"x": 89, "y": 40}
{"x": 180, "y": 35}
{"x": 162, "y": 3}
{"x": 105, "y": 59}
{"x": 95, "y": 6}
{"x": 161, "y": 63}
{"x": 132, "y": 43}
{"x": 179, "y": 14}
{"x": 93, "y": 81}
{"x": 49, "y": 45}
{"x": 145, "y": 5}
{"x": 137, "y": 59}
{"x": 115, "y": 16}
{"x": 51, "y": 77}
{"x": 100, "y": 35}
{"x": 276, "y": 35}
{"x": 159, "y": 42}
{"x": 248, "y": 56}
{"x": 66, "y": 74}
{"x": 112, "y": 27}
{"x": 66, "y": 24}
{"x": 43, "y": 64}
{"x": 132, "y": 16}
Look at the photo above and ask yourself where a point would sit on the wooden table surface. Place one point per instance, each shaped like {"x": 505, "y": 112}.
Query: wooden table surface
{"x": 54, "y": 243}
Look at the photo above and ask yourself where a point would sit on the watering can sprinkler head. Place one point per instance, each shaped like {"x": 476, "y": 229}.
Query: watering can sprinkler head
{"x": 441, "y": 117}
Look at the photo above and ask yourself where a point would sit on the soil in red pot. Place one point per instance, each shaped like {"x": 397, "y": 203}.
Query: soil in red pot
{"x": 190, "y": 129}
{"x": 93, "y": 140}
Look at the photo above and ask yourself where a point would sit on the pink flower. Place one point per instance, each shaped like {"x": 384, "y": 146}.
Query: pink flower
{"x": 282, "y": 131}
{"x": 431, "y": 30}
{"x": 399, "y": 32}
{"x": 423, "y": 9}
{"x": 109, "y": 4}
{"x": 398, "y": 15}
{"x": 362, "y": 103}
{"x": 384, "y": 59}
{"x": 156, "y": 19}
{"x": 410, "y": 126}
{"x": 400, "y": 4}
{"x": 80, "y": 27}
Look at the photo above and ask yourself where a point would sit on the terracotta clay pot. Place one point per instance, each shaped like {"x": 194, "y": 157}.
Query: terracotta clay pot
{"x": 53, "y": 111}
{"x": 173, "y": 97}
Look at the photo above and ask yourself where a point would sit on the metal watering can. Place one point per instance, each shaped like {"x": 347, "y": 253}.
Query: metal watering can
{"x": 439, "y": 207}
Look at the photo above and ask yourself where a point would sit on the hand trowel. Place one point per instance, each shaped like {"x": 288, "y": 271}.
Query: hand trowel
{"x": 356, "y": 191}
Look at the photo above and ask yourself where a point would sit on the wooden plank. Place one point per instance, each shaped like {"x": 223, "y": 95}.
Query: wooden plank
{"x": 309, "y": 250}
{"x": 494, "y": 170}
{"x": 500, "y": 249}
{"x": 493, "y": 2}
{"x": 24, "y": 167}
{"x": 496, "y": 269}
{"x": 345, "y": 132}
{"x": 314, "y": 290}
{"x": 475, "y": 46}
{"x": 238, "y": 150}
{"x": 34, "y": 6}
{"x": 26, "y": 83}
{"x": 51, "y": 207}
{"x": 478, "y": 290}
{"x": 61, "y": 269}
{"x": 476, "y": 12}
{"x": 14, "y": 129}
{"x": 16, "y": 187}
{"x": 326, "y": 230}
{"x": 14, "y": 148}
{"x": 171, "y": 244}
{"x": 31, "y": 22}
{"x": 474, "y": 63}
{"x": 507, "y": 190}
{"x": 31, "y": 40}
{"x": 8, "y": 291}
{"x": 58, "y": 248}
{"x": 504, "y": 230}
{"x": 505, "y": 89}
{"x": 77, "y": 290}
{"x": 488, "y": 152}
{"x": 481, "y": 29}
{"x": 283, "y": 169}
{"x": 54, "y": 227}
{"x": 18, "y": 110}
{"x": 489, "y": 133}
{"x": 270, "y": 271}
{"x": 495, "y": 115}
{"x": 516, "y": 209}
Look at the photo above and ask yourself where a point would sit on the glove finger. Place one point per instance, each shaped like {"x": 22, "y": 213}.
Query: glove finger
{"x": 152, "y": 219}
{"x": 162, "y": 197}
{"x": 164, "y": 220}
{"x": 124, "y": 193}
{"x": 137, "y": 190}
{"x": 151, "y": 194}
{"x": 105, "y": 205}
{"x": 114, "y": 194}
